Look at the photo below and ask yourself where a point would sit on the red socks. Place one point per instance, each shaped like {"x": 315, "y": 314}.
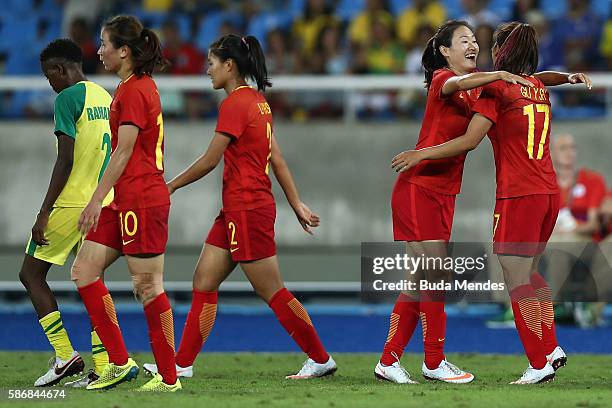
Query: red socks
{"x": 544, "y": 295}
{"x": 433, "y": 320}
{"x": 161, "y": 336}
{"x": 528, "y": 320}
{"x": 101, "y": 310}
{"x": 199, "y": 323}
{"x": 403, "y": 321}
{"x": 294, "y": 318}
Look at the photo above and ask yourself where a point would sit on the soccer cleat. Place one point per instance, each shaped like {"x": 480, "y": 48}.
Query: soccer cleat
{"x": 186, "y": 372}
{"x": 311, "y": 369}
{"x": 533, "y": 376}
{"x": 557, "y": 358}
{"x": 83, "y": 382}
{"x": 59, "y": 369}
{"x": 156, "y": 384}
{"x": 447, "y": 372}
{"x": 114, "y": 375}
{"x": 393, "y": 373}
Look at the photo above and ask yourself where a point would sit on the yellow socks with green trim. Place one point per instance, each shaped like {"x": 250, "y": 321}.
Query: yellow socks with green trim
{"x": 58, "y": 337}
{"x": 98, "y": 353}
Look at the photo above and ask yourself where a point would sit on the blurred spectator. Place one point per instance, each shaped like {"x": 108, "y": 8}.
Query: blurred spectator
{"x": 412, "y": 64}
{"x": 157, "y": 6}
{"x": 550, "y": 58}
{"x": 330, "y": 53}
{"x": 306, "y": 29}
{"x": 360, "y": 29}
{"x": 80, "y": 32}
{"x": 90, "y": 10}
{"x": 228, "y": 28}
{"x": 385, "y": 54}
{"x": 476, "y": 13}
{"x": 422, "y": 12}
{"x": 184, "y": 57}
{"x": 484, "y": 37}
{"x": 579, "y": 32}
{"x": 522, "y": 7}
{"x": 606, "y": 42}
{"x": 279, "y": 58}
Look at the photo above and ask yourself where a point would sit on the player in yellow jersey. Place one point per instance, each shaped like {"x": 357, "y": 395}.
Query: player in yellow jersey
{"x": 83, "y": 150}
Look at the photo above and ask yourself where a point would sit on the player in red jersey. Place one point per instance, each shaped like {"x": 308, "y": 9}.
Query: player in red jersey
{"x": 423, "y": 199}
{"x": 517, "y": 118}
{"x": 136, "y": 223}
{"x": 243, "y": 233}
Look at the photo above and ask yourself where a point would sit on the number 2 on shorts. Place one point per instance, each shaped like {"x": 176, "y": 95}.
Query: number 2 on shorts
{"x": 232, "y": 227}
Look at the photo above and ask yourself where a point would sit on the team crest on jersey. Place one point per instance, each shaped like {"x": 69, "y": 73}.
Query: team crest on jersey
{"x": 579, "y": 190}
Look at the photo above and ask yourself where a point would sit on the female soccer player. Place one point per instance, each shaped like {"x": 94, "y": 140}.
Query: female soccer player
{"x": 136, "y": 223}
{"x": 424, "y": 199}
{"x": 517, "y": 119}
{"x": 243, "y": 233}
{"x": 83, "y": 149}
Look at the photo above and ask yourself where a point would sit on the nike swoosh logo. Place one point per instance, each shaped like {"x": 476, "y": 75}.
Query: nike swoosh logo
{"x": 127, "y": 242}
{"x": 442, "y": 339}
{"x": 234, "y": 250}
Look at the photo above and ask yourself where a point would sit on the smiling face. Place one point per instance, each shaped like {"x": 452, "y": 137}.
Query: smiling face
{"x": 462, "y": 53}
{"x": 112, "y": 58}
{"x": 218, "y": 71}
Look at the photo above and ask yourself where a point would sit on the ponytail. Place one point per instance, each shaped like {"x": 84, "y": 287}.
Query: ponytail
{"x": 247, "y": 54}
{"x": 143, "y": 42}
{"x": 517, "y": 48}
{"x": 433, "y": 59}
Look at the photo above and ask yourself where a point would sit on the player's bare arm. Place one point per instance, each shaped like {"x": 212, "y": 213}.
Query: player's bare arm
{"x": 283, "y": 175}
{"x": 477, "y": 79}
{"x": 203, "y": 165}
{"x": 477, "y": 130}
{"x": 59, "y": 178}
{"x": 553, "y": 78}
{"x": 126, "y": 138}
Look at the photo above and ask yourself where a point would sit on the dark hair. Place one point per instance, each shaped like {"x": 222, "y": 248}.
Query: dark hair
{"x": 144, "y": 43}
{"x": 246, "y": 52}
{"x": 432, "y": 59}
{"x": 64, "y": 49}
{"x": 517, "y": 48}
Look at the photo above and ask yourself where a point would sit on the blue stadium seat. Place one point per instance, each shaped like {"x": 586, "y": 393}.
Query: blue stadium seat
{"x": 261, "y": 24}
{"x": 453, "y": 8}
{"x": 602, "y": 7}
{"x": 398, "y": 6}
{"x": 296, "y": 7}
{"x": 553, "y": 9}
{"x": 348, "y": 9}
{"x": 208, "y": 30}
{"x": 502, "y": 8}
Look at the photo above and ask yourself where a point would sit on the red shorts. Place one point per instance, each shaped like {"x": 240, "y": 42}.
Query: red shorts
{"x": 132, "y": 232}
{"x": 522, "y": 225}
{"x": 420, "y": 214}
{"x": 247, "y": 234}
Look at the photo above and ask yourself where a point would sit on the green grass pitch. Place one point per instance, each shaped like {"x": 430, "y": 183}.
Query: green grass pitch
{"x": 257, "y": 380}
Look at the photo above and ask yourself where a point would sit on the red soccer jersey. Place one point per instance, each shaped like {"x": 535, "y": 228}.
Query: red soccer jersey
{"x": 520, "y": 137}
{"x": 141, "y": 185}
{"x": 446, "y": 117}
{"x": 588, "y": 192}
{"x": 246, "y": 117}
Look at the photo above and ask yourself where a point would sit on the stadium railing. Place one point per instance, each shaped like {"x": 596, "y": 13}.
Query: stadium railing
{"x": 349, "y": 85}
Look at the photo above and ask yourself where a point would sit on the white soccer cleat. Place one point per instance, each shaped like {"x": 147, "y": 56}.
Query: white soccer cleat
{"x": 533, "y": 376}
{"x": 447, "y": 372}
{"x": 557, "y": 358}
{"x": 185, "y": 372}
{"x": 59, "y": 369}
{"x": 83, "y": 382}
{"x": 393, "y": 373}
{"x": 314, "y": 370}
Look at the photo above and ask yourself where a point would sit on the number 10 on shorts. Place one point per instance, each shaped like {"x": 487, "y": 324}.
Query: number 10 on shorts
{"x": 129, "y": 225}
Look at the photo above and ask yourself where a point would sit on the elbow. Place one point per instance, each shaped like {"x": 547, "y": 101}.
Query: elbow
{"x": 471, "y": 146}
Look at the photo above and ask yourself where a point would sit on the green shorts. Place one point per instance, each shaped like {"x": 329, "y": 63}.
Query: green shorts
{"x": 62, "y": 234}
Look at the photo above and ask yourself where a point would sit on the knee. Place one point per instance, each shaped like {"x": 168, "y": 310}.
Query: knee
{"x": 25, "y": 278}
{"x": 146, "y": 288}
{"x": 202, "y": 284}
{"x": 82, "y": 274}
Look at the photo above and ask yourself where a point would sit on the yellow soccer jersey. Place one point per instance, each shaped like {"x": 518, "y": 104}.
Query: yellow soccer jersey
{"x": 81, "y": 112}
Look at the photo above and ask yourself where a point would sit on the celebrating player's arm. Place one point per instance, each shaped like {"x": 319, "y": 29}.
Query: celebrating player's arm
{"x": 554, "y": 78}
{"x": 59, "y": 178}
{"x": 126, "y": 138}
{"x": 478, "y": 79}
{"x": 203, "y": 165}
{"x": 477, "y": 130}
{"x": 283, "y": 175}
